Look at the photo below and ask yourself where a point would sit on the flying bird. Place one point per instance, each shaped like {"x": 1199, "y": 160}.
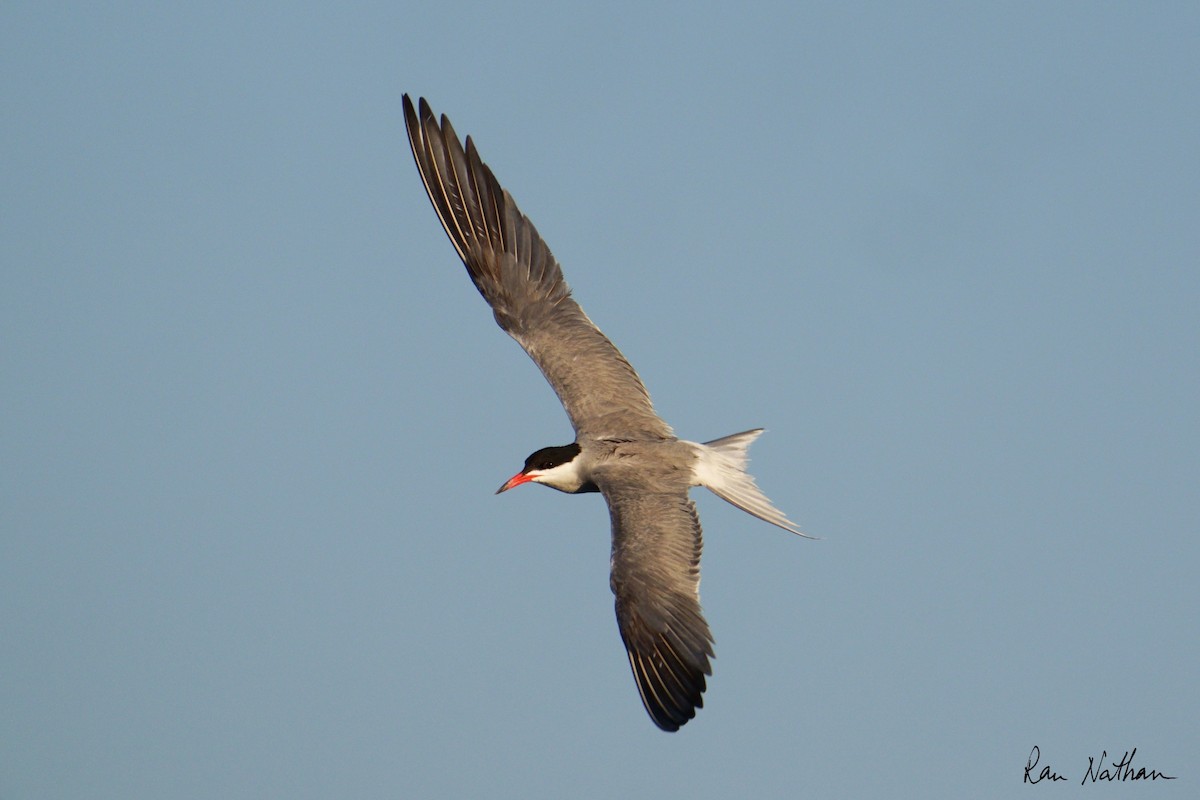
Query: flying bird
{"x": 622, "y": 449}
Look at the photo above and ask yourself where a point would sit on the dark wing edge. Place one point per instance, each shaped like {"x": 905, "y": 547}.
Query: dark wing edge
{"x": 514, "y": 270}
{"x": 655, "y": 578}
{"x": 472, "y": 207}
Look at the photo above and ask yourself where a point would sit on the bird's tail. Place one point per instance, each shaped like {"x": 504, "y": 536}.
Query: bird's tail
{"x": 721, "y": 468}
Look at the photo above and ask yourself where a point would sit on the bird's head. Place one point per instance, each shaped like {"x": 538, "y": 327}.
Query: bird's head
{"x": 556, "y": 467}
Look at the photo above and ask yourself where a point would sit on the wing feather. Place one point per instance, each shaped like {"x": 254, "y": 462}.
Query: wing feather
{"x": 656, "y": 580}
{"x": 516, "y": 273}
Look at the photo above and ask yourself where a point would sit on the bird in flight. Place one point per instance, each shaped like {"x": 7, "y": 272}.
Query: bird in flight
{"x": 622, "y": 449}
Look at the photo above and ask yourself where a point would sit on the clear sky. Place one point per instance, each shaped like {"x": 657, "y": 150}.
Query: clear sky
{"x": 253, "y": 411}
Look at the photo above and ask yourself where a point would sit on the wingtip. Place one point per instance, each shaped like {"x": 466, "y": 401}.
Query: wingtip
{"x": 804, "y": 535}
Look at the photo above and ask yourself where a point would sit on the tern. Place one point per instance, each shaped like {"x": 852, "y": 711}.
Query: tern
{"x": 622, "y": 448}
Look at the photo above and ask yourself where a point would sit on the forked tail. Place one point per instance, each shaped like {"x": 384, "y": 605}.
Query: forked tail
{"x": 721, "y": 468}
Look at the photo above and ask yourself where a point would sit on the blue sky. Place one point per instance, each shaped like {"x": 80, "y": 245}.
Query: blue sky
{"x": 254, "y": 411}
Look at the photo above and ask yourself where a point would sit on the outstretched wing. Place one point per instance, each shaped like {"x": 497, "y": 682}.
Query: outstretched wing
{"x": 516, "y": 273}
{"x": 656, "y": 544}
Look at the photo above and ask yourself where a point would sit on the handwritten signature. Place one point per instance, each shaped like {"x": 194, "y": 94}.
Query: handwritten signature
{"x": 1097, "y": 771}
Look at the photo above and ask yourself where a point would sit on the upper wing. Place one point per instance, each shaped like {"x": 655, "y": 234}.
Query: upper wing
{"x": 516, "y": 273}
{"x": 656, "y": 579}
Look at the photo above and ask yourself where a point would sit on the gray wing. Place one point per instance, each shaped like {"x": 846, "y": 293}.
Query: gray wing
{"x": 656, "y": 579}
{"x": 516, "y": 273}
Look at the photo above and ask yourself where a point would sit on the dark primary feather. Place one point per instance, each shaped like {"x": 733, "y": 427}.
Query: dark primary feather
{"x": 516, "y": 273}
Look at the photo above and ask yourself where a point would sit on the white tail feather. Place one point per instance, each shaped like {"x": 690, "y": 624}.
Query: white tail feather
{"x": 721, "y": 468}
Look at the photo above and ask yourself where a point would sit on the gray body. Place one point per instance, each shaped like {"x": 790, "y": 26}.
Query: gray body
{"x": 622, "y": 448}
